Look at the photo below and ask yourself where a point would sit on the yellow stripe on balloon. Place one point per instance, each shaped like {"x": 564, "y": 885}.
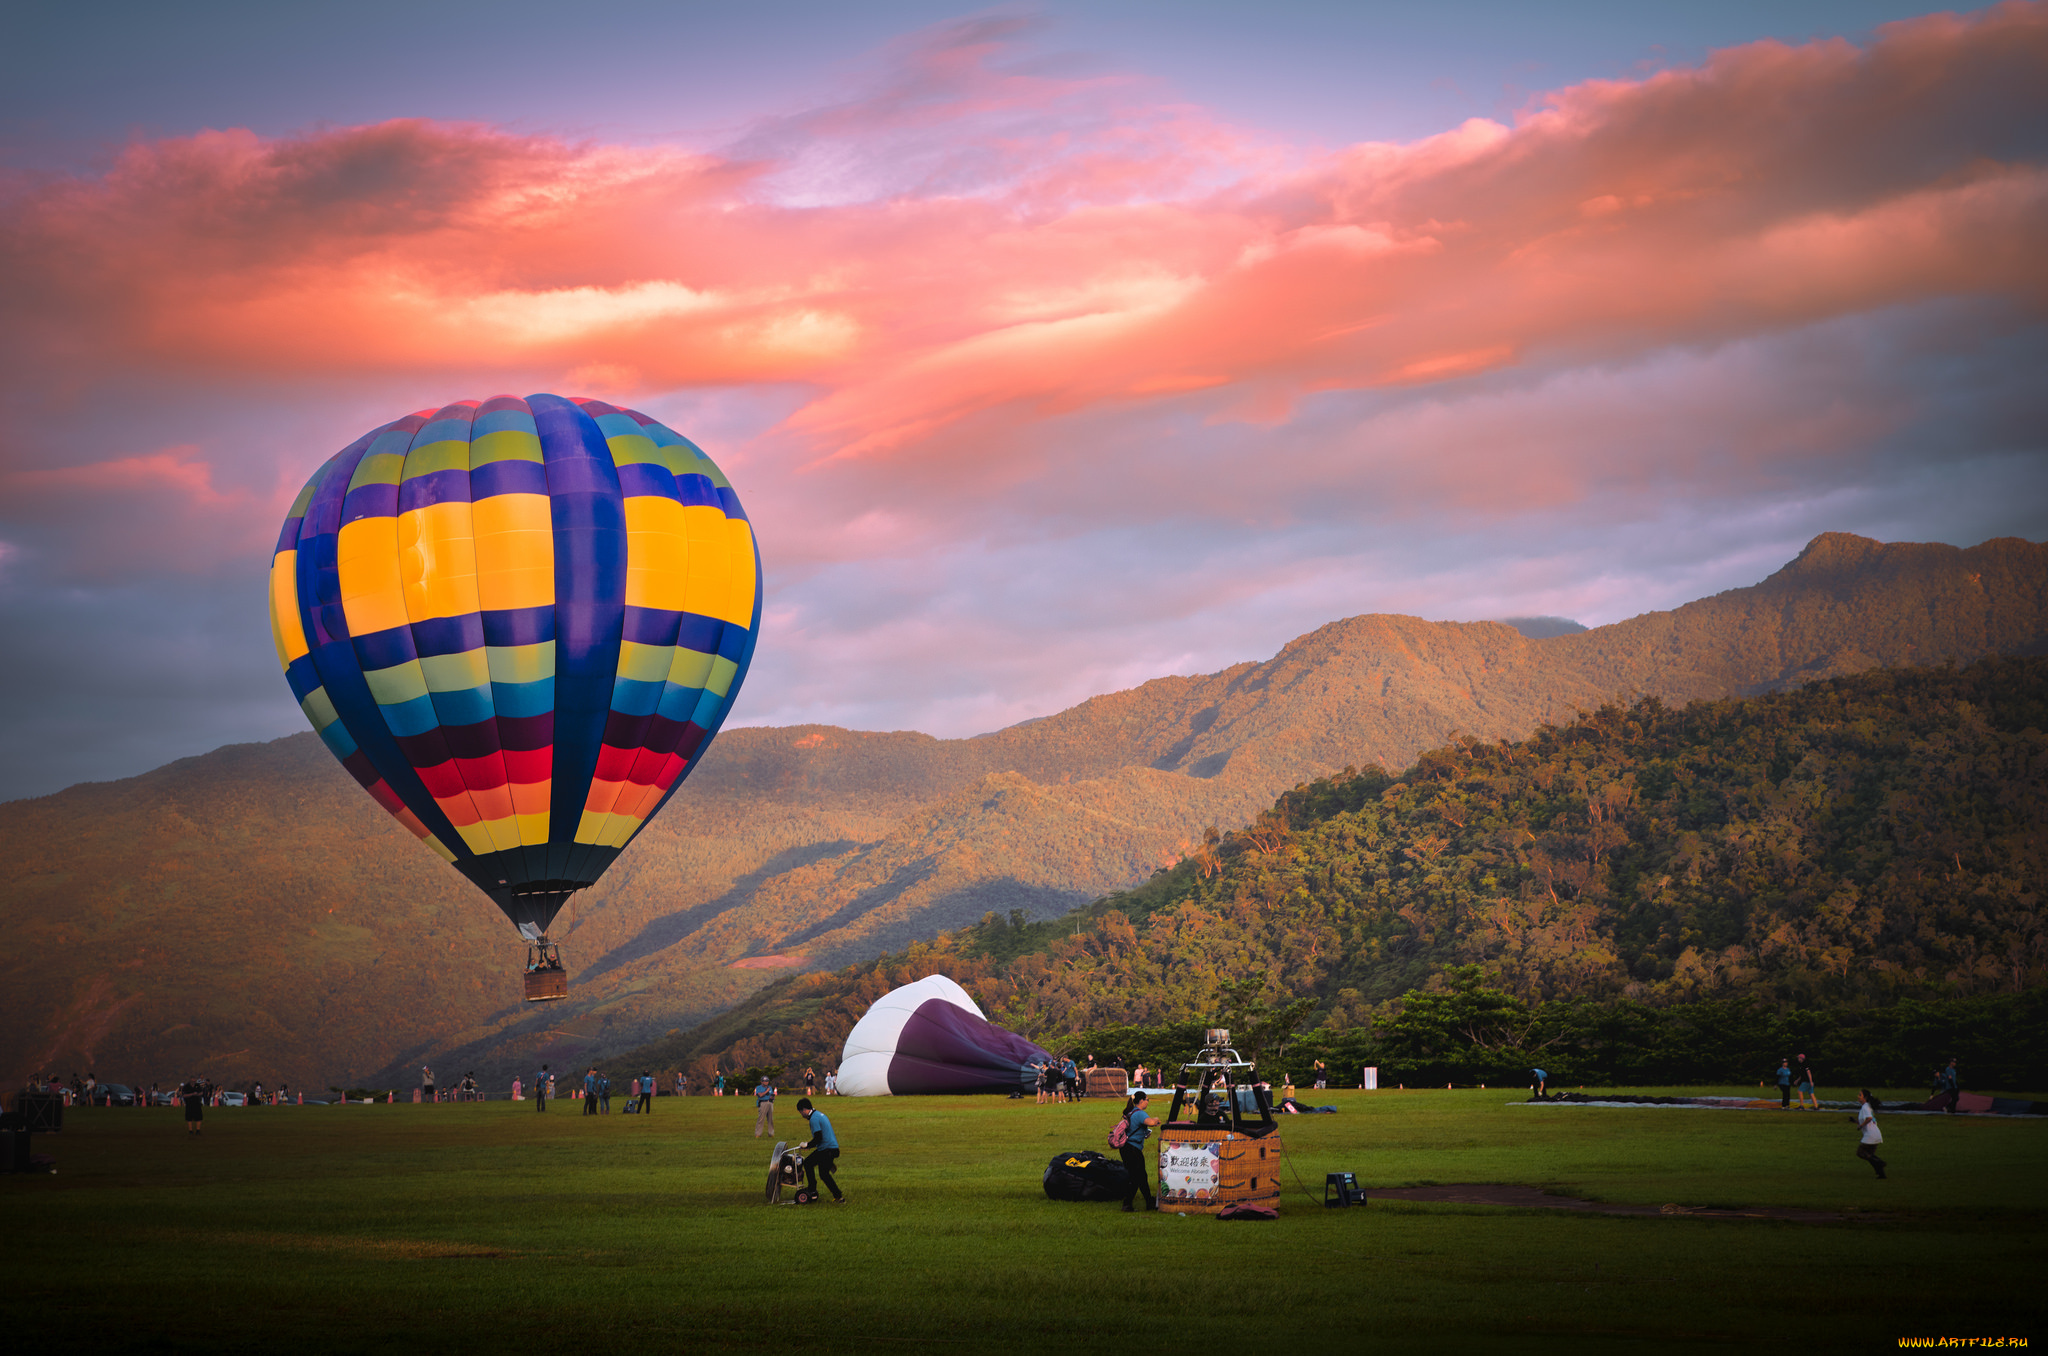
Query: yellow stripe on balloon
{"x": 437, "y": 561}
{"x": 515, "y": 551}
{"x": 287, "y": 632}
{"x": 739, "y": 545}
{"x": 709, "y": 579}
{"x": 657, "y": 552}
{"x": 366, "y": 559}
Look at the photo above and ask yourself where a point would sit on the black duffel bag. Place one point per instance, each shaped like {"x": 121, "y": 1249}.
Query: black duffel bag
{"x": 1084, "y": 1175}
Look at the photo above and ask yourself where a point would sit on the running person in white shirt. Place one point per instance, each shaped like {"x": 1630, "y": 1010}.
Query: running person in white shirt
{"x": 1871, "y": 1136}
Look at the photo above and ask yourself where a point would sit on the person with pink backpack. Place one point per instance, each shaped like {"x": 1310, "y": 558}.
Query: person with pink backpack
{"x": 1128, "y": 1139}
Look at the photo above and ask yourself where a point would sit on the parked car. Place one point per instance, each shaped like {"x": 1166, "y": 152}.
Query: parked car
{"x": 234, "y": 1099}
{"x": 163, "y": 1098}
{"x": 113, "y": 1094}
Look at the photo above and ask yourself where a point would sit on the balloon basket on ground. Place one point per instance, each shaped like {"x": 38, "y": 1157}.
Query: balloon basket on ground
{"x": 1105, "y": 1083}
{"x": 545, "y": 978}
{"x": 786, "y": 1173}
{"x": 1220, "y": 1146}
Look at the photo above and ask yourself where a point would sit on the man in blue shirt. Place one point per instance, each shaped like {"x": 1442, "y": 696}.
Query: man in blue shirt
{"x": 821, "y": 1153}
{"x": 764, "y": 1108}
{"x": 590, "y": 1092}
{"x": 1784, "y": 1085}
{"x": 540, "y": 1089}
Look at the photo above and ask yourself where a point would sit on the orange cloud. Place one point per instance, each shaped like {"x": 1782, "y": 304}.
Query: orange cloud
{"x": 1054, "y": 246}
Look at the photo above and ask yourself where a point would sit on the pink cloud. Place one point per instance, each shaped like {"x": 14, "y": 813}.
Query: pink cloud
{"x": 973, "y": 247}
{"x": 158, "y": 512}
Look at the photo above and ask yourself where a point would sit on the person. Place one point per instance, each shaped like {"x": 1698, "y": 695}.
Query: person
{"x": 832, "y": 1082}
{"x": 193, "y": 1094}
{"x": 1784, "y": 1085}
{"x": 1132, "y": 1151}
{"x": 1070, "y": 1078}
{"x": 717, "y": 1082}
{"x": 1542, "y": 1080}
{"x": 1950, "y": 1081}
{"x": 604, "y": 1095}
{"x": 1043, "y": 1076}
{"x": 1138, "y": 1075}
{"x": 590, "y": 1092}
{"x": 543, "y": 1084}
{"x": 682, "y": 1084}
{"x": 821, "y": 1153}
{"x": 426, "y": 1084}
{"x": 1868, "y": 1133}
{"x": 1804, "y": 1086}
{"x": 764, "y": 1108}
{"x": 810, "y": 1081}
{"x": 517, "y": 1096}
{"x": 1322, "y": 1075}
{"x": 646, "y": 1094}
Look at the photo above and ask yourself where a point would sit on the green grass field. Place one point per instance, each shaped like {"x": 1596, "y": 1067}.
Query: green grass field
{"x": 366, "y": 1227}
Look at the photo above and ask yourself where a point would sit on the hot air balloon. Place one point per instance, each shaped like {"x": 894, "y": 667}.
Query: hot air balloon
{"x": 931, "y": 1037}
{"x": 518, "y": 624}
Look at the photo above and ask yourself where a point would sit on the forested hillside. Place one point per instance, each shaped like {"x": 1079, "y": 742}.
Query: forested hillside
{"x": 1852, "y": 843}
{"x": 251, "y": 913}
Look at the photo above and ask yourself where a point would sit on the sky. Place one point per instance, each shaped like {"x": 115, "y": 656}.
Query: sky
{"x": 1051, "y": 348}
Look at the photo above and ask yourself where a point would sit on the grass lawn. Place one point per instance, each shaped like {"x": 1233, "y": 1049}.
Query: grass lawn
{"x": 367, "y": 1227}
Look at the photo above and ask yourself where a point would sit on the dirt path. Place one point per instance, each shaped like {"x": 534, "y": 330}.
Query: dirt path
{"x": 1527, "y": 1197}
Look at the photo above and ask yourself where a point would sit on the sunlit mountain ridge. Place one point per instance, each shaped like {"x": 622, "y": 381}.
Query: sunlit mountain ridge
{"x": 250, "y": 914}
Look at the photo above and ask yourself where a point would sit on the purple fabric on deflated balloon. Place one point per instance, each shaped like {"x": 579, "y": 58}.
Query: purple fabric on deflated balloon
{"x": 945, "y": 1048}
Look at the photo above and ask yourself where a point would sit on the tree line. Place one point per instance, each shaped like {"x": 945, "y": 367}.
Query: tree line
{"x": 1645, "y": 894}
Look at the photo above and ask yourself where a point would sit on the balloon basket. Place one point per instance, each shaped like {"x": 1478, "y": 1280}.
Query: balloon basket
{"x": 546, "y": 980}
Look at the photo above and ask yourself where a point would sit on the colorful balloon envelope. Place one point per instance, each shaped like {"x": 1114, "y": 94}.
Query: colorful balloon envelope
{"x": 518, "y": 624}
{"x": 931, "y": 1037}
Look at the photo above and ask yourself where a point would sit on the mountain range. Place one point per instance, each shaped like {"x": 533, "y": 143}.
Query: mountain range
{"x": 248, "y": 913}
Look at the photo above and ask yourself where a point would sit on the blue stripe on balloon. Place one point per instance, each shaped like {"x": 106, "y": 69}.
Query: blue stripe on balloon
{"x": 467, "y": 706}
{"x": 646, "y": 479}
{"x": 590, "y": 610}
{"x": 386, "y": 649}
{"x": 651, "y": 625}
{"x": 519, "y": 626}
{"x": 636, "y": 697}
{"x": 698, "y": 490}
{"x": 730, "y": 502}
{"x": 452, "y": 429}
{"x": 435, "y": 487}
{"x": 409, "y": 718}
{"x": 679, "y": 703}
{"x": 498, "y": 421}
{"x": 448, "y": 635}
{"x": 506, "y": 477}
{"x": 303, "y": 677}
{"x": 338, "y": 740}
{"x": 517, "y": 701}
{"x": 699, "y": 633}
{"x": 735, "y": 645}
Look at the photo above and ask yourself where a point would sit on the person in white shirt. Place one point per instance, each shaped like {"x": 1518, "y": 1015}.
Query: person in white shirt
{"x": 1867, "y": 1131}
